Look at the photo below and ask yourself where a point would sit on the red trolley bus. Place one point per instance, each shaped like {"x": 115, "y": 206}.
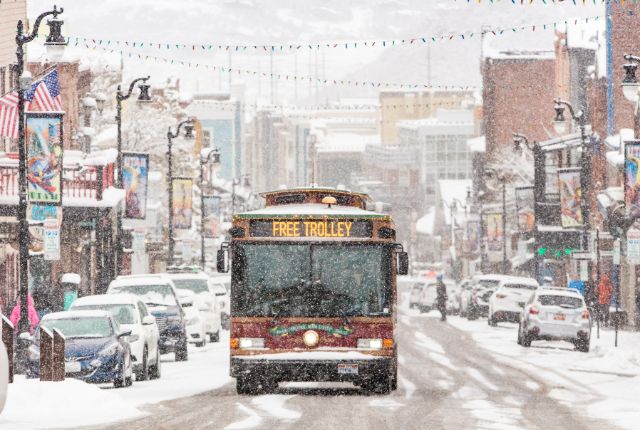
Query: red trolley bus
{"x": 313, "y": 291}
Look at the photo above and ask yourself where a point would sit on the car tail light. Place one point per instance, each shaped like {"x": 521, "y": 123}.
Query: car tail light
{"x": 585, "y": 314}
{"x": 500, "y": 296}
{"x": 534, "y": 311}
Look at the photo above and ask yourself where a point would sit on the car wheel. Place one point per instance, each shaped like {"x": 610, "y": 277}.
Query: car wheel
{"x": 582, "y": 345}
{"x": 128, "y": 380}
{"x": 121, "y": 379}
{"x": 519, "y": 334}
{"x": 492, "y": 321}
{"x": 201, "y": 344}
{"x": 526, "y": 340}
{"x": 214, "y": 337}
{"x": 154, "y": 371}
{"x": 182, "y": 353}
{"x": 143, "y": 373}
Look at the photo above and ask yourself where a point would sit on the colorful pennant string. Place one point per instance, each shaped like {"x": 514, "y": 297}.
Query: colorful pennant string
{"x": 272, "y": 48}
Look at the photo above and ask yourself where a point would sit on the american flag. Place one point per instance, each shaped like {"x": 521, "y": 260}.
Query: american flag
{"x": 44, "y": 96}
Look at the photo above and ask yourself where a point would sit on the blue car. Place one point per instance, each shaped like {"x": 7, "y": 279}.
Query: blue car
{"x": 96, "y": 350}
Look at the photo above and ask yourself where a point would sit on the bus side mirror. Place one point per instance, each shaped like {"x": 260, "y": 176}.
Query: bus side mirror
{"x": 403, "y": 263}
{"x": 221, "y": 263}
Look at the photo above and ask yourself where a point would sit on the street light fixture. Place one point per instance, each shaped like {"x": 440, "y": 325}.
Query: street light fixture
{"x": 630, "y": 85}
{"x": 560, "y": 124}
{"x": 56, "y": 39}
{"x": 143, "y": 97}
{"x": 208, "y": 155}
{"x": 188, "y": 125}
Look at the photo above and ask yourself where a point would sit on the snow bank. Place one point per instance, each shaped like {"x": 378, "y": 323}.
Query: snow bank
{"x": 72, "y": 403}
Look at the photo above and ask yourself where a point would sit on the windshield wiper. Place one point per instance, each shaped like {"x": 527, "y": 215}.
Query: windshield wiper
{"x": 155, "y": 304}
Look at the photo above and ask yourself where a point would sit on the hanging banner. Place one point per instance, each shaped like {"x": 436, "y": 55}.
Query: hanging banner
{"x": 211, "y": 214}
{"x": 44, "y": 157}
{"x": 182, "y": 202}
{"x": 472, "y": 237}
{"x": 495, "y": 233}
{"x": 524, "y": 208}
{"x": 632, "y": 177}
{"x": 51, "y": 240}
{"x": 135, "y": 175}
{"x": 570, "y": 197}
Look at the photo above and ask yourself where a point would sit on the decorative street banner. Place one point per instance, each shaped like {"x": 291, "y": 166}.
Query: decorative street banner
{"x": 570, "y": 197}
{"x": 182, "y": 202}
{"x": 524, "y": 208}
{"x": 632, "y": 177}
{"x": 135, "y": 174}
{"x": 44, "y": 157}
{"x": 211, "y": 214}
{"x": 472, "y": 237}
{"x": 495, "y": 235}
{"x": 38, "y": 215}
{"x": 51, "y": 240}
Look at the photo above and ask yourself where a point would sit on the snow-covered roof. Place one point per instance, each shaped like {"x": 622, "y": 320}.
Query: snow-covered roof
{"x": 347, "y": 142}
{"x": 425, "y": 224}
{"x": 311, "y": 210}
{"x": 76, "y": 314}
{"x": 106, "y": 136}
{"x": 195, "y": 275}
{"x": 477, "y": 144}
{"x": 615, "y": 158}
{"x": 519, "y": 55}
{"x": 149, "y": 279}
{"x": 106, "y": 299}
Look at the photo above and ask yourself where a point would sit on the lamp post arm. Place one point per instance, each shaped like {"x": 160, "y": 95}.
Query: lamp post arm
{"x": 577, "y": 116}
{"x": 132, "y": 85}
{"x": 22, "y": 39}
{"x": 177, "y": 133}
{"x": 630, "y": 57}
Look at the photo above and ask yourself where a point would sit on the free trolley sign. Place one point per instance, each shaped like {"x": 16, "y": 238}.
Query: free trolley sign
{"x": 311, "y": 228}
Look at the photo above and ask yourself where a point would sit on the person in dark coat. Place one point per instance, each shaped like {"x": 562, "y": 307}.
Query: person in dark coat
{"x": 441, "y": 298}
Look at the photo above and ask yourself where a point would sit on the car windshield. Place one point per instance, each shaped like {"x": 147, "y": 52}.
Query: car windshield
{"x": 562, "y": 301}
{"x": 87, "y": 327}
{"x": 487, "y": 283}
{"x": 152, "y": 295}
{"x": 123, "y": 313}
{"x": 195, "y": 285}
{"x": 520, "y": 286}
{"x": 312, "y": 280}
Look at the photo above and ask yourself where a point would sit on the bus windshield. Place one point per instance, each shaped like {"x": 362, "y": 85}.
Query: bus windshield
{"x": 297, "y": 280}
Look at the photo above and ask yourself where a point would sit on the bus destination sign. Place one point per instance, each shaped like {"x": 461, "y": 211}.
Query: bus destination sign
{"x": 311, "y": 228}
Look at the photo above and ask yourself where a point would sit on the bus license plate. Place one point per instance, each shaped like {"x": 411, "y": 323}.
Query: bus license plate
{"x": 347, "y": 369}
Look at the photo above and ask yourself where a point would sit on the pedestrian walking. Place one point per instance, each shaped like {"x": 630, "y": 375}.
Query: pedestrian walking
{"x": 441, "y": 298}
{"x": 33, "y": 315}
{"x": 605, "y": 290}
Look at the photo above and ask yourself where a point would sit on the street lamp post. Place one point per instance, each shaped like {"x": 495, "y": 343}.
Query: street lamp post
{"x": 206, "y": 156}
{"x": 143, "y": 97}
{"x": 54, "y": 42}
{"x": 188, "y": 126}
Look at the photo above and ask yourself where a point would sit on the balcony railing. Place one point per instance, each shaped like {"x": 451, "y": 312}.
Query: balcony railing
{"x": 86, "y": 182}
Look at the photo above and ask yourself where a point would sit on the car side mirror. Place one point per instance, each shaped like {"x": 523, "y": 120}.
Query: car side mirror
{"x": 403, "y": 263}
{"x": 221, "y": 263}
{"x": 125, "y": 333}
{"x": 148, "y": 320}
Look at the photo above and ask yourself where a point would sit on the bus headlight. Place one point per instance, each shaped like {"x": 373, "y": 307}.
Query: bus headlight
{"x": 311, "y": 338}
{"x": 251, "y": 342}
{"x": 370, "y": 343}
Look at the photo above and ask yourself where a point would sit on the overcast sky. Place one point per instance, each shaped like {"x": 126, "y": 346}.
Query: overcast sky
{"x": 257, "y": 22}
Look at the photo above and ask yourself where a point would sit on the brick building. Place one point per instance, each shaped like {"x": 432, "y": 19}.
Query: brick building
{"x": 518, "y": 93}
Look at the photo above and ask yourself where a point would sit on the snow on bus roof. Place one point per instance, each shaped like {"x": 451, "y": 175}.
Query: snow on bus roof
{"x": 311, "y": 209}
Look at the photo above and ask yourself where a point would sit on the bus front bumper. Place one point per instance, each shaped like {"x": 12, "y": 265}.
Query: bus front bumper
{"x": 323, "y": 370}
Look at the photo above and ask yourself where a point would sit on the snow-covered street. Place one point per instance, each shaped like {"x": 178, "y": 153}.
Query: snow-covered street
{"x": 460, "y": 374}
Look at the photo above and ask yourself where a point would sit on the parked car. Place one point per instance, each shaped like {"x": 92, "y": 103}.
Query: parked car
{"x": 429, "y": 294}
{"x": 507, "y": 301}
{"x": 556, "y": 314}
{"x": 158, "y": 292}
{"x": 475, "y": 300}
{"x": 221, "y": 286}
{"x": 131, "y": 314}
{"x": 4, "y": 375}
{"x": 196, "y": 333}
{"x": 96, "y": 349}
{"x": 207, "y": 299}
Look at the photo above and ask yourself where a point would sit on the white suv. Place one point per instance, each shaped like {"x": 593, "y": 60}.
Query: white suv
{"x": 509, "y": 298}
{"x": 556, "y": 314}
